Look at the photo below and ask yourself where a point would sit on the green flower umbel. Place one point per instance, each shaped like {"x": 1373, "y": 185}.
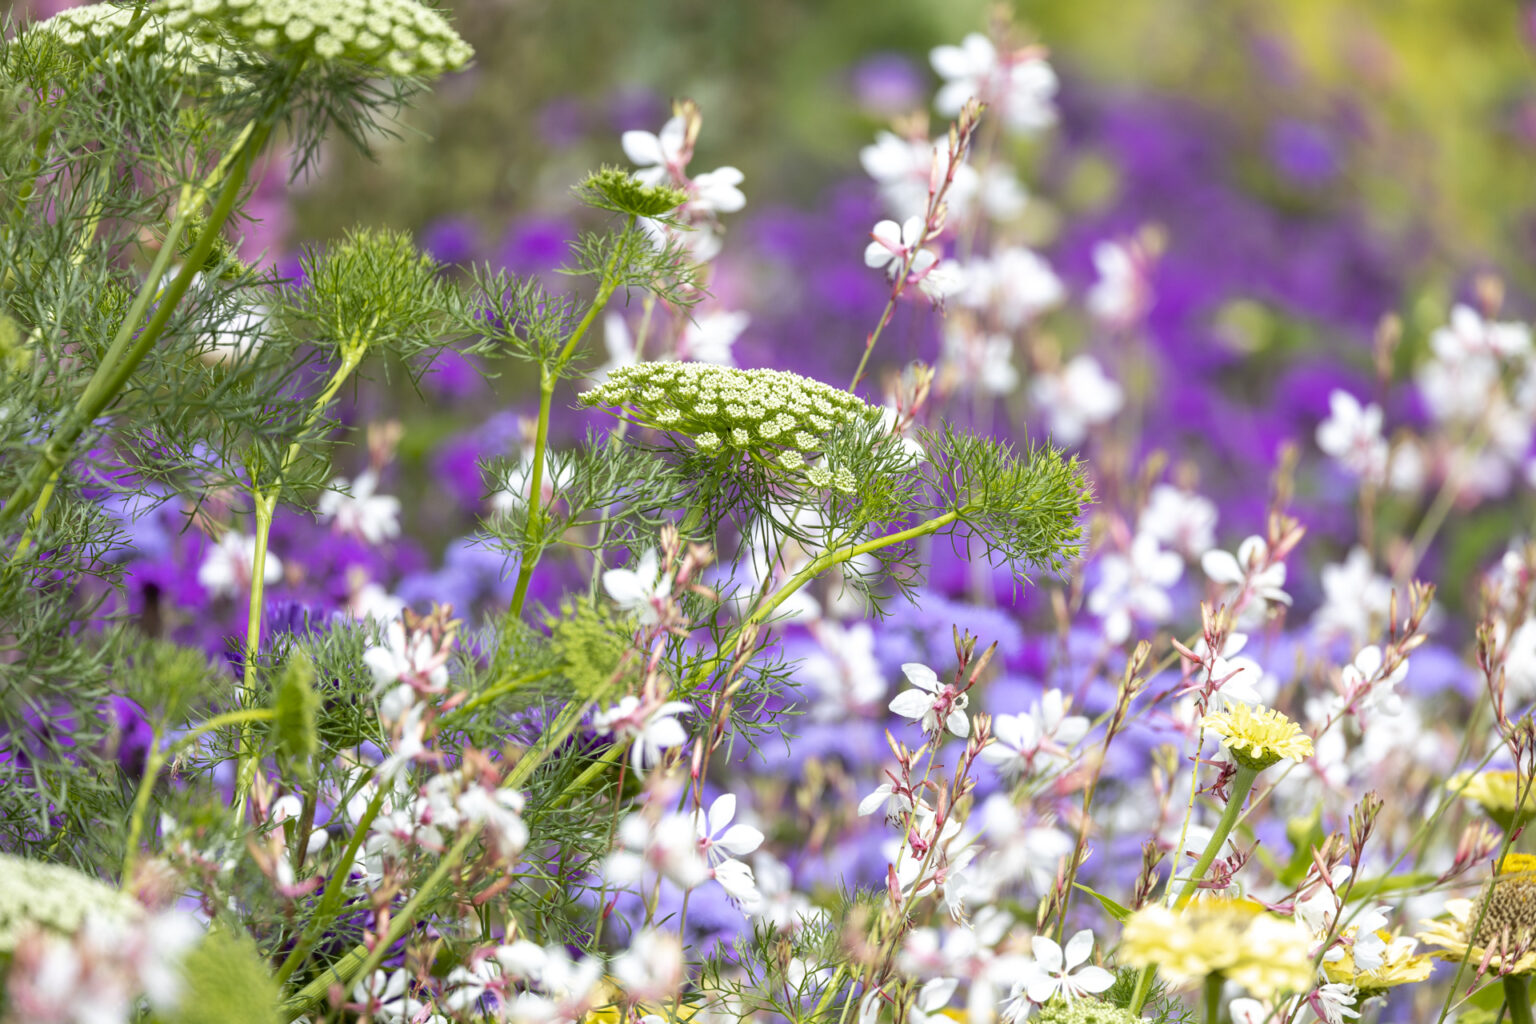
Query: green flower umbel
{"x": 765, "y": 414}
{"x": 398, "y": 38}
{"x": 88, "y": 30}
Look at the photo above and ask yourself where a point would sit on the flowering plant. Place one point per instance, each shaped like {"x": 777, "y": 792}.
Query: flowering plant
{"x": 745, "y": 696}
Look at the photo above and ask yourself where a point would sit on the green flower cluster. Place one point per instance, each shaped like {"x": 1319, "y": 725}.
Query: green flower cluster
{"x": 773, "y": 414}
{"x": 51, "y": 896}
{"x": 87, "y": 30}
{"x": 399, "y": 38}
{"x": 1083, "y": 1011}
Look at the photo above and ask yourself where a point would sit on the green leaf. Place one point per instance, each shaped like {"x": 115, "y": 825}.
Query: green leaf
{"x": 1116, "y": 911}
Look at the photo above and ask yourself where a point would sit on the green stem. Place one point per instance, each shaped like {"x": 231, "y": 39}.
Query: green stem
{"x": 1242, "y": 783}
{"x": 154, "y": 760}
{"x": 335, "y": 888}
{"x": 549, "y": 375}
{"x": 1517, "y": 998}
{"x": 265, "y": 500}
{"x": 1211, "y": 992}
{"x": 126, "y": 351}
{"x": 360, "y": 960}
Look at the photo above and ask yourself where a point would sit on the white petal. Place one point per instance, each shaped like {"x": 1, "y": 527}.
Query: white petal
{"x": 721, "y": 812}
{"x": 1093, "y": 979}
{"x": 740, "y": 839}
{"x": 1079, "y": 948}
{"x": 912, "y": 704}
{"x": 1047, "y": 954}
{"x": 642, "y": 148}
{"x": 921, "y": 676}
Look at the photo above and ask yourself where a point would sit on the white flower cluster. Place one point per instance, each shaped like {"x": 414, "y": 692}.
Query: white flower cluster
{"x": 725, "y": 409}
{"x": 400, "y": 38}
{"x": 52, "y": 896}
{"x": 96, "y": 25}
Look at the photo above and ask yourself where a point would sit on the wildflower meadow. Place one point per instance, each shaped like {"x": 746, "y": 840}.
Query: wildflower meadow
{"x": 800, "y": 513}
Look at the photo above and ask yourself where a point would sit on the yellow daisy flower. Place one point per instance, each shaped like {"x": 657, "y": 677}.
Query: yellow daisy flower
{"x": 1258, "y": 739}
{"x": 1400, "y": 966}
{"x": 1499, "y": 926}
{"x": 1495, "y": 793}
{"x": 1265, "y": 954}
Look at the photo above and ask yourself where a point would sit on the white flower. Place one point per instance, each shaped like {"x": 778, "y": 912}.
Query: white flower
{"x": 1356, "y": 599}
{"x": 1134, "y": 586}
{"x": 1335, "y": 1001}
{"x": 1019, "y": 86}
{"x": 718, "y": 838}
{"x": 226, "y": 569}
{"x": 982, "y": 361}
{"x": 1367, "y": 688}
{"x": 651, "y": 969}
{"x": 1056, "y": 973}
{"x": 781, "y": 907}
{"x": 932, "y": 703}
{"x": 1520, "y": 662}
{"x": 885, "y": 795}
{"x": 667, "y": 846}
{"x": 708, "y": 337}
{"x": 931, "y": 1000}
{"x": 1180, "y": 520}
{"x": 644, "y": 589}
{"x": 1250, "y": 570}
{"x": 358, "y": 511}
{"x": 1047, "y": 733}
{"x": 1119, "y": 296}
{"x": 1076, "y": 398}
{"x": 1468, "y": 334}
{"x": 892, "y": 243}
{"x": 1015, "y": 285}
{"x": 717, "y": 191}
{"x": 662, "y": 156}
{"x": 653, "y": 728}
{"x": 1352, "y": 435}
{"x": 1236, "y": 680}
{"x": 904, "y": 168}
{"x": 412, "y": 659}
{"x": 500, "y": 812}
{"x": 467, "y": 983}
{"x": 558, "y": 476}
{"x": 846, "y": 677}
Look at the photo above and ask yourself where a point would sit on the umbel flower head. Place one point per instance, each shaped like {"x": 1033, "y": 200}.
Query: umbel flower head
{"x": 771, "y": 414}
{"x": 1266, "y": 954}
{"x": 1498, "y": 928}
{"x": 1497, "y": 793}
{"x": 89, "y": 30}
{"x": 397, "y": 38}
{"x": 54, "y": 897}
{"x": 1258, "y": 739}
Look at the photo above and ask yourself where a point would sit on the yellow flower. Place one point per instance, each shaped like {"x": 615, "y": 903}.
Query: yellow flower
{"x": 1495, "y": 793}
{"x": 1400, "y": 965}
{"x": 1265, "y": 954}
{"x": 1499, "y": 926}
{"x": 1266, "y": 734}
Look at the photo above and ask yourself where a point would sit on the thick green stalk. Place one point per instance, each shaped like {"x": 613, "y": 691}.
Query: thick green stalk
{"x": 1242, "y": 783}
{"x": 1211, "y": 993}
{"x": 1517, "y": 998}
{"x": 126, "y": 350}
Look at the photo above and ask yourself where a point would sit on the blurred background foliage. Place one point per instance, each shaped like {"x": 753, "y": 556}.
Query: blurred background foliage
{"x": 1427, "y": 107}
